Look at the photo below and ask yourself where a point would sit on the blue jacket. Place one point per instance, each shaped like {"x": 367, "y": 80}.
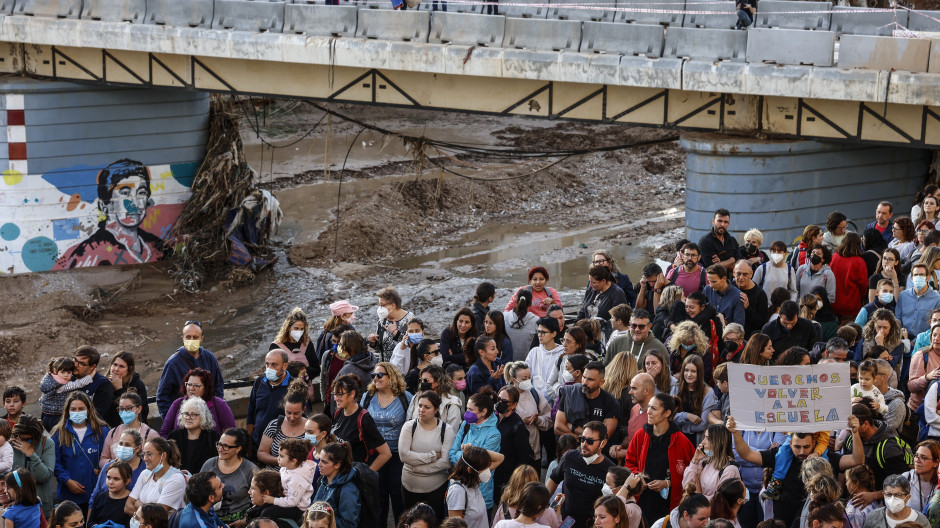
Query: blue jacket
{"x": 102, "y": 486}
{"x": 78, "y": 462}
{"x": 175, "y": 370}
{"x": 728, "y": 303}
{"x": 914, "y": 311}
{"x": 484, "y": 435}
{"x": 869, "y": 309}
{"x": 265, "y": 404}
{"x": 478, "y": 376}
{"x": 192, "y": 517}
{"x": 343, "y": 495}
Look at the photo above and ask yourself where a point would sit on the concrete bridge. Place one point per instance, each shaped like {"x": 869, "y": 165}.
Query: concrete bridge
{"x": 805, "y": 70}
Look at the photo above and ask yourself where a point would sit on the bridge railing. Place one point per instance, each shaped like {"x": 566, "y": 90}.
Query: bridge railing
{"x": 785, "y": 32}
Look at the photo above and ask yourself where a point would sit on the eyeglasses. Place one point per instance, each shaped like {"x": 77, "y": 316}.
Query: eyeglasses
{"x": 598, "y": 262}
{"x": 132, "y": 408}
{"x": 588, "y": 441}
{"x": 224, "y": 447}
{"x": 194, "y": 385}
{"x": 80, "y": 363}
{"x": 339, "y": 394}
{"x": 189, "y": 415}
{"x": 923, "y": 458}
{"x": 197, "y": 323}
{"x": 378, "y": 375}
{"x": 895, "y": 495}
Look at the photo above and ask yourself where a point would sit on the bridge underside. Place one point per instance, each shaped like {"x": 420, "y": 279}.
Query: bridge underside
{"x": 766, "y": 116}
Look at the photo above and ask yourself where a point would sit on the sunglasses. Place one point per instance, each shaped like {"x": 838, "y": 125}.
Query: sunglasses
{"x": 197, "y": 323}
{"x": 588, "y": 441}
{"x": 378, "y": 375}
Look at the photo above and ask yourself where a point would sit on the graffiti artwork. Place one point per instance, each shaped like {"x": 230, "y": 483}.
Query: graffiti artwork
{"x": 118, "y": 214}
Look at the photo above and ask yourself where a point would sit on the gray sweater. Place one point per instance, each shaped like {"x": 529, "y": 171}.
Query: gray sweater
{"x": 424, "y": 457}
{"x": 878, "y": 519}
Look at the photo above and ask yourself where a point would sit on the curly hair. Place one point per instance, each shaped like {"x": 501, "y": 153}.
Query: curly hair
{"x": 395, "y": 380}
{"x": 893, "y": 339}
{"x": 686, "y": 331}
{"x": 295, "y": 316}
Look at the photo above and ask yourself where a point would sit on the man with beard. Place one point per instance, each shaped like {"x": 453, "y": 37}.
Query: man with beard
{"x": 718, "y": 246}
{"x": 123, "y": 199}
{"x": 723, "y": 296}
{"x": 793, "y": 491}
{"x": 638, "y": 341}
{"x": 690, "y": 276}
{"x": 753, "y": 298}
{"x": 582, "y": 473}
{"x": 586, "y": 402}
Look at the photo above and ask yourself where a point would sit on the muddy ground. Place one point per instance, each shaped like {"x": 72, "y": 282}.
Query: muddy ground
{"x": 431, "y": 234}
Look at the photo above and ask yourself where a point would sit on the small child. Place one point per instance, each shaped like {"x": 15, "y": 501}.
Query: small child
{"x": 296, "y": 475}
{"x": 865, "y": 388}
{"x": 619, "y": 321}
{"x": 110, "y": 505}
{"x": 859, "y": 479}
{"x": 784, "y": 458}
{"x": 26, "y": 510}
{"x": 319, "y": 515}
{"x": 56, "y": 386}
{"x": 6, "y": 450}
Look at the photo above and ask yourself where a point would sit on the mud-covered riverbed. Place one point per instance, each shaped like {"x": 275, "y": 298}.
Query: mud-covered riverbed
{"x": 434, "y": 236}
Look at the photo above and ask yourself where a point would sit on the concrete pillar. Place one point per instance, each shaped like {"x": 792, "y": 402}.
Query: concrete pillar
{"x": 780, "y": 187}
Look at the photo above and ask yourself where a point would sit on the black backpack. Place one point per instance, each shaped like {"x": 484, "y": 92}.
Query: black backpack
{"x": 367, "y": 481}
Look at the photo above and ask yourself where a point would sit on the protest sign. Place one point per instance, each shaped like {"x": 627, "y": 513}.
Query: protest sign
{"x": 790, "y": 399}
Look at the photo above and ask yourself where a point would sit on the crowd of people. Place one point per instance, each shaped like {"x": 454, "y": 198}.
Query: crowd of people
{"x": 518, "y": 416}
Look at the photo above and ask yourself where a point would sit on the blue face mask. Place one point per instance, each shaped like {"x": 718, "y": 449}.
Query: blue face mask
{"x": 886, "y": 298}
{"x": 127, "y": 416}
{"x": 919, "y": 282}
{"x": 78, "y": 417}
{"x": 747, "y": 495}
{"x": 270, "y": 374}
{"x": 124, "y": 453}
{"x": 157, "y": 469}
{"x": 709, "y": 453}
{"x": 415, "y": 338}
{"x": 313, "y": 439}
{"x": 688, "y": 347}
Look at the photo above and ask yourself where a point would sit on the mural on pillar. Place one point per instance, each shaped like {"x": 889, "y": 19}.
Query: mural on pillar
{"x": 120, "y": 213}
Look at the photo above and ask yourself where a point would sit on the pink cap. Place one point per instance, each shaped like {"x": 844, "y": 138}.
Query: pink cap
{"x": 342, "y": 307}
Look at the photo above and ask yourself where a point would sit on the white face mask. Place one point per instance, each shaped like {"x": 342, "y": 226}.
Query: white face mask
{"x": 486, "y": 475}
{"x": 819, "y": 304}
{"x": 134, "y": 523}
{"x": 567, "y": 377}
{"x": 437, "y": 360}
{"x": 605, "y": 490}
{"x": 296, "y": 334}
{"x": 894, "y": 504}
{"x": 777, "y": 258}
{"x": 590, "y": 460}
{"x": 382, "y": 312}
{"x": 526, "y": 385}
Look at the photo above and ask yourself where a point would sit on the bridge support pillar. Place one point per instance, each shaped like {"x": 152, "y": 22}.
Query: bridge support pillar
{"x": 780, "y": 186}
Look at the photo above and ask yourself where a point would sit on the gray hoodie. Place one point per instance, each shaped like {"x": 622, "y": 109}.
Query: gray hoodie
{"x": 807, "y": 279}
{"x": 897, "y": 409}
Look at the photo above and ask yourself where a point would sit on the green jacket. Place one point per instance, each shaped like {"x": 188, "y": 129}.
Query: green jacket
{"x": 42, "y": 465}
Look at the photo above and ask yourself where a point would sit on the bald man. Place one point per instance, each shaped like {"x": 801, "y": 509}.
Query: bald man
{"x": 642, "y": 390}
{"x": 189, "y": 356}
{"x": 753, "y": 296}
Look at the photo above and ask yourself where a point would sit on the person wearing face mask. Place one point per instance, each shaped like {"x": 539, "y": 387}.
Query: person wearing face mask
{"x": 465, "y": 494}
{"x": 835, "y": 230}
{"x": 127, "y": 450}
{"x": 198, "y": 384}
{"x": 534, "y": 409}
{"x": 342, "y": 314}
{"x": 479, "y": 430}
{"x": 427, "y": 352}
{"x": 78, "y": 438}
{"x": 423, "y": 444}
{"x": 625, "y": 486}
{"x": 294, "y": 339}
{"x": 267, "y": 394}
{"x": 776, "y": 273}
{"x": 582, "y": 473}
{"x": 129, "y": 408}
{"x": 889, "y": 268}
{"x": 915, "y": 303}
{"x": 235, "y": 472}
{"x": 434, "y": 378}
{"x": 514, "y": 438}
{"x": 203, "y": 491}
{"x": 897, "y": 491}
{"x": 405, "y": 356}
{"x": 162, "y": 482}
{"x": 816, "y": 272}
{"x": 393, "y": 320}
{"x": 883, "y": 299}
{"x": 713, "y": 462}
{"x": 317, "y": 431}
{"x": 189, "y": 356}
{"x": 458, "y": 378}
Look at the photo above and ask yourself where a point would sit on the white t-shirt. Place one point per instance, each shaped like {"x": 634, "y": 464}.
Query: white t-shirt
{"x": 470, "y": 501}
{"x": 512, "y": 523}
{"x": 892, "y": 523}
{"x": 168, "y": 491}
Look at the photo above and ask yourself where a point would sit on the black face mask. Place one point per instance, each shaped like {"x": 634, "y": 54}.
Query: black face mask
{"x": 502, "y": 407}
{"x": 815, "y": 259}
{"x": 750, "y": 249}
{"x": 425, "y": 386}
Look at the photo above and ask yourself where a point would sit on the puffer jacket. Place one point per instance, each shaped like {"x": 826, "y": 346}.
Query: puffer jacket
{"x": 484, "y": 435}
{"x": 343, "y": 495}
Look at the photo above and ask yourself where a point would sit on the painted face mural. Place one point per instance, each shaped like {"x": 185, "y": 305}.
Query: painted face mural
{"x": 81, "y": 216}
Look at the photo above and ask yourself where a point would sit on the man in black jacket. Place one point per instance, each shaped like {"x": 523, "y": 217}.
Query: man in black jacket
{"x": 790, "y": 330}
{"x": 100, "y": 389}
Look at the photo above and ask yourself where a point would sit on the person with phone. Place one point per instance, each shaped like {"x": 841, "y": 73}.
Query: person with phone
{"x": 583, "y": 473}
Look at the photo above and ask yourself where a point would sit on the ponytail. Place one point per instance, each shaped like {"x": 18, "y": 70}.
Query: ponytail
{"x": 339, "y": 453}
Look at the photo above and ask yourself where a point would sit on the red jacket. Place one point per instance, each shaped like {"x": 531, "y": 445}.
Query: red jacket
{"x": 680, "y": 455}
{"x": 851, "y": 284}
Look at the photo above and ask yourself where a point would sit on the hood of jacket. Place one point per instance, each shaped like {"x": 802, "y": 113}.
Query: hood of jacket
{"x": 364, "y": 361}
{"x": 489, "y": 423}
{"x": 824, "y": 314}
{"x": 308, "y": 470}
{"x": 894, "y": 394}
{"x": 879, "y": 435}
{"x": 341, "y": 479}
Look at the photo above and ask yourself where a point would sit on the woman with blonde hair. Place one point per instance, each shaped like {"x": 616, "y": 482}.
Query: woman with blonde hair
{"x": 534, "y": 409}
{"x": 688, "y": 339}
{"x": 387, "y": 402}
{"x": 512, "y": 495}
{"x": 671, "y": 295}
{"x": 78, "y": 438}
{"x": 751, "y": 251}
{"x": 713, "y": 462}
{"x": 294, "y": 339}
{"x": 319, "y": 515}
{"x": 617, "y": 383}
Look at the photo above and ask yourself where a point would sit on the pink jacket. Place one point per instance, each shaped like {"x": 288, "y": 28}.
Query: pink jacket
{"x": 298, "y": 485}
{"x": 708, "y": 477}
